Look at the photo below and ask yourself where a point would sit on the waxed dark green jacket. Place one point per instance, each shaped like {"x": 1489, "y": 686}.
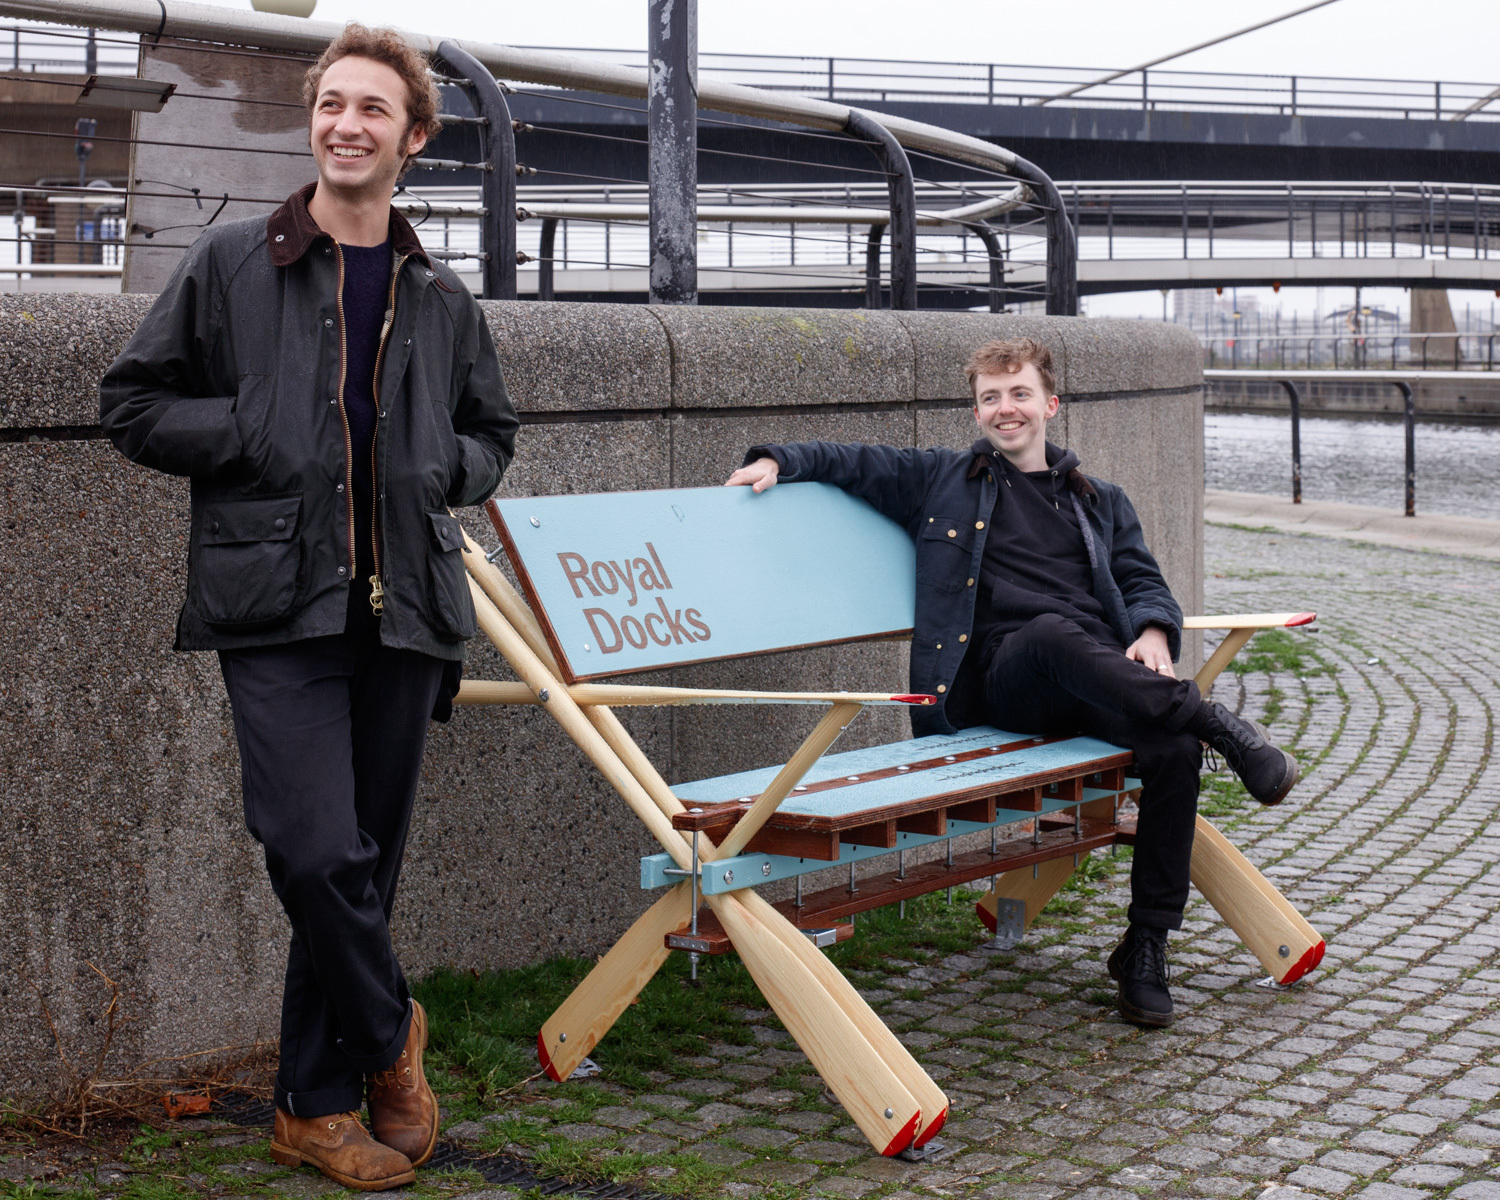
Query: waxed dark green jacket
{"x": 234, "y": 380}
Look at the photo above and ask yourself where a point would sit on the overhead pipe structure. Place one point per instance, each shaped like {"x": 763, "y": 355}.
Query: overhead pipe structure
{"x": 201, "y": 22}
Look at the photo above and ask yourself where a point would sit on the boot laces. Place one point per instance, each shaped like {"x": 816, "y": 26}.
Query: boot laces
{"x": 1151, "y": 955}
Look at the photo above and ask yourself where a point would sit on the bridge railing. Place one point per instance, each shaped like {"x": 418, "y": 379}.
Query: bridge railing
{"x": 917, "y": 81}
{"x": 1352, "y": 350}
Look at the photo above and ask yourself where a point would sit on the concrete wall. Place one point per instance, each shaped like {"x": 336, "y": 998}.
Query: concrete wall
{"x": 118, "y": 771}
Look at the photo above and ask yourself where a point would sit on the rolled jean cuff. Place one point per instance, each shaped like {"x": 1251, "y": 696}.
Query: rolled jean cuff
{"x": 1155, "y": 918}
{"x": 1185, "y": 710}
{"x": 348, "y": 1097}
{"x": 369, "y": 1064}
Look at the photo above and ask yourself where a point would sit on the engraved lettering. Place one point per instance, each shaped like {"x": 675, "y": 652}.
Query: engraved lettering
{"x": 661, "y": 571}
{"x": 577, "y": 574}
{"x": 632, "y": 630}
{"x": 608, "y": 584}
{"x": 628, "y": 575}
{"x": 614, "y": 630}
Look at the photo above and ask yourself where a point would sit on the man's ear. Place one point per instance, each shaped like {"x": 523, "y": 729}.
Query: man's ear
{"x": 416, "y": 142}
{"x": 1053, "y": 404}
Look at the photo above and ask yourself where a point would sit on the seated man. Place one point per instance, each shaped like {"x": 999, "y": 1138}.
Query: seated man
{"x": 1040, "y": 610}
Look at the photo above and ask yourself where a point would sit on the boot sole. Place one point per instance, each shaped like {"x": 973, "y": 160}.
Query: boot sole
{"x": 1140, "y": 1016}
{"x": 287, "y": 1157}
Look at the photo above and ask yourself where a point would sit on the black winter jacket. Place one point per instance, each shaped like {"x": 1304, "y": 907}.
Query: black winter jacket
{"x": 235, "y": 380}
{"x": 945, "y": 500}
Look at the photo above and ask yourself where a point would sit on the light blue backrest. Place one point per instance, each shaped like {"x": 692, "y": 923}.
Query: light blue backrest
{"x": 639, "y": 581}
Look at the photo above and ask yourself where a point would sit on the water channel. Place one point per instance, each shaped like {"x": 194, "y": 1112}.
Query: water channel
{"x": 1356, "y": 461}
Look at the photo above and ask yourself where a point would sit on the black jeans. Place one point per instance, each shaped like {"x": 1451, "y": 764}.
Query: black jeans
{"x": 331, "y": 732}
{"x": 1050, "y": 677}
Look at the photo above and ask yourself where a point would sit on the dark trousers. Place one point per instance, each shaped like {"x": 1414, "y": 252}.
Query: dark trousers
{"x": 331, "y": 732}
{"x": 1050, "y": 677}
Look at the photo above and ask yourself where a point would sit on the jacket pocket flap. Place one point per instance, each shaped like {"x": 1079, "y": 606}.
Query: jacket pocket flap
{"x": 446, "y": 531}
{"x": 950, "y": 530}
{"x": 269, "y": 520}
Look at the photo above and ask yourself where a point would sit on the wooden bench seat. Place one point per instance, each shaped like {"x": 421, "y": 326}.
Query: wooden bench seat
{"x": 633, "y": 582}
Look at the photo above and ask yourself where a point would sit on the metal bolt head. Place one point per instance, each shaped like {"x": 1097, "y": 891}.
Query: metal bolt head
{"x": 562, "y": 1037}
{"x": 765, "y": 869}
{"x": 1284, "y": 951}
{"x": 889, "y": 1113}
{"x": 535, "y": 524}
{"x": 728, "y": 876}
{"x": 544, "y": 695}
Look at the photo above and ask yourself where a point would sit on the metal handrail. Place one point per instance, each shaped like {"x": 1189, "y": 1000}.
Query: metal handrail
{"x": 183, "y": 19}
{"x": 1403, "y": 381}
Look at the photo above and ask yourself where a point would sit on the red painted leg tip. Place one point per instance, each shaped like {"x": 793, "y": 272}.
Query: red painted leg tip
{"x": 933, "y": 1132}
{"x": 546, "y": 1059}
{"x": 986, "y": 916}
{"x": 903, "y": 1138}
{"x": 1304, "y": 964}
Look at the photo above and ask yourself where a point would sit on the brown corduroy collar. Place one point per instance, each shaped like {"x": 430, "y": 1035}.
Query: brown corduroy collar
{"x": 291, "y": 231}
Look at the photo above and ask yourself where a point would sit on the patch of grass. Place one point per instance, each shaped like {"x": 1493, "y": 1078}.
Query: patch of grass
{"x": 484, "y": 1024}
{"x": 1275, "y": 651}
{"x": 1221, "y": 794}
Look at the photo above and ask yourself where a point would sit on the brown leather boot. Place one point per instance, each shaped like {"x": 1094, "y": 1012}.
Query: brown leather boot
{"x": 403, "y": 1110}
{"x": 340, "y": 1147}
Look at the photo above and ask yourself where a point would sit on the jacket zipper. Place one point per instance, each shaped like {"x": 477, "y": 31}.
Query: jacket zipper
{"x": 344, "y": 416}
{"x": 377, "y": 592}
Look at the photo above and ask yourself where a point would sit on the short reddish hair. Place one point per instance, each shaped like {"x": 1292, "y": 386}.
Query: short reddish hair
{"x": 383, "y": 46}
{"x": 1003, "y": 356}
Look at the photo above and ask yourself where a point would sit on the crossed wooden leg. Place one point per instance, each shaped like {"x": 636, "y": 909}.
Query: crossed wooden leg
{"x": 881, "y": 1086}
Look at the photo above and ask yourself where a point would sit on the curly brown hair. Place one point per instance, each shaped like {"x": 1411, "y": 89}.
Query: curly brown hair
{"x": 384, "y": 46}
{"x": 1003, "y": 356}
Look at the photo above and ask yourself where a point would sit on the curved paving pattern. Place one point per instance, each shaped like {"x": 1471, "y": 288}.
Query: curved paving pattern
{"x": 1376, "y": 1078}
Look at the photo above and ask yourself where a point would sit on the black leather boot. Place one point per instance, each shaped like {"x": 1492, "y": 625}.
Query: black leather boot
{"x": 1139, "y": 966}
{"x": 1267, "y": 771}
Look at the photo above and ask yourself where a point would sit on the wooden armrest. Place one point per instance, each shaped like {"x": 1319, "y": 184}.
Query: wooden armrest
{"x": 484, "y": 691}
{"x": 1251, "y": 621}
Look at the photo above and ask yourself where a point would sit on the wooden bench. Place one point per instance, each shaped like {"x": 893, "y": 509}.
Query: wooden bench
{"x": 631, "y": 582}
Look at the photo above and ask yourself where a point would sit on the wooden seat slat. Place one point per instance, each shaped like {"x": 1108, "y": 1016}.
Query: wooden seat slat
{"x": 860, "y": 787}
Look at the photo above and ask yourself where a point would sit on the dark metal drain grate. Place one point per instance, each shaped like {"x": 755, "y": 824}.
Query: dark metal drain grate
{"x": 505, "y": 1169}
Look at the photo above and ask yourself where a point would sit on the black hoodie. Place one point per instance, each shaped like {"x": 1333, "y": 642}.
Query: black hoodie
{"x": 1035, "y": 560}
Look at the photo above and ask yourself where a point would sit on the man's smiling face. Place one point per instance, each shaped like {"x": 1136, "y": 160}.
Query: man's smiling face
{"x": 359, "y": 126}
{"x": 1013, "y": 409}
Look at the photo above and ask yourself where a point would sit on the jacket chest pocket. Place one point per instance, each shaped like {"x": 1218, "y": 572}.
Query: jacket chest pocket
{"x": 452, "y": 606}
{"x": 945, "y": 546}
{"x": 249, "y": 562}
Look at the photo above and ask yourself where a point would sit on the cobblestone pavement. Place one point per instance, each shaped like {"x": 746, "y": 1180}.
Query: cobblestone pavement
{"x": 1376, "y": 1078}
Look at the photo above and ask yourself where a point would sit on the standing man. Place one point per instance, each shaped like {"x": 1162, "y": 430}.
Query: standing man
{"x": 329, "y": 391}
{"x": 1040, "y": 610}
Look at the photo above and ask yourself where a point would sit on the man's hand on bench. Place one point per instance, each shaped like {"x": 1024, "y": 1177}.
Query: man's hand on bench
{"x": 759, "y": 475}
{"x": 1151, "y": 649}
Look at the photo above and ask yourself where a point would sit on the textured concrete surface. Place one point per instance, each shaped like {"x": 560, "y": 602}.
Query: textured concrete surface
{"x": 120, "y": 777}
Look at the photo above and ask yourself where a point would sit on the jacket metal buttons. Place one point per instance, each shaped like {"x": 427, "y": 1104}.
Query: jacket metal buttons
{"x": 978, "y": 524}
{"x": 940, "y": 645}
{"x": 280, "y": 523}
{"x": 343, "y": 570}
{"x": 341, "y": 487}
{"x": 952, "y": 533}
{"x": 942, "y": 687}
{"x": 281, "y": 237}
{"x": 969, "y": 584}
{"x": 963, "y": 637}
{"x": 214, "y": 527}
{"x": 328, "y": 322}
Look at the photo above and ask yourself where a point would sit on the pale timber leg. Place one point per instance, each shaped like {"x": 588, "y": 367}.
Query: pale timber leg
{"x": 930, "y": 1098}
{"x": 1276, "y": 933}
{"x": 1020, "y": 885}
{"x": 596, "y": 1003}
{"x": 879, "y": 1103}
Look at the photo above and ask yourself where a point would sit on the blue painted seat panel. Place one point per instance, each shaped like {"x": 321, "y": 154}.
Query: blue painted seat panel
{"x": 640, "y": 581}
{"x": 903, "y": 789}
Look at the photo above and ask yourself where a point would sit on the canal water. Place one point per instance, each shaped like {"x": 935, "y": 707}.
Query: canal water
{"x": 1356, "y": 461}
